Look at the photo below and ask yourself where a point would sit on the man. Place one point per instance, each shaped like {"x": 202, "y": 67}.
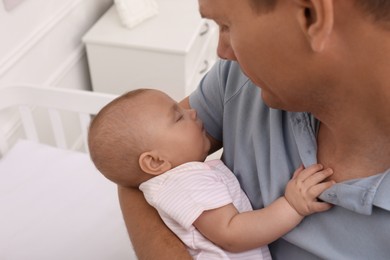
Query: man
{"x": 330, "y": 58}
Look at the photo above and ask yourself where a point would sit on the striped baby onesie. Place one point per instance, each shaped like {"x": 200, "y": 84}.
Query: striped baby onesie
{"x": 183, "y": 193}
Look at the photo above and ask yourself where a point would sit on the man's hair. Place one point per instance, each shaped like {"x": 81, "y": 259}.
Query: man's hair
{"x": 378, "y": 10}
{"x": 115, "y": 140}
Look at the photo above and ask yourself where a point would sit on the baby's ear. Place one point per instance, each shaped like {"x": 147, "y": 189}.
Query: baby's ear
{"x": 152, "y": 163}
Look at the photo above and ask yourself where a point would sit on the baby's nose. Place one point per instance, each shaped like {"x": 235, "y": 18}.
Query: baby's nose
{"x": 193, "y": 113}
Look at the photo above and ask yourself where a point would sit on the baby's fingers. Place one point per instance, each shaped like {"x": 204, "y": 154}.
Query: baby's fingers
{"x": 302, "y": 174}
{"x": 297, "y": 171}
{"x": 316, "y": 190}
{"x": 320, "y": 206}
{"x": 318, "y": 177}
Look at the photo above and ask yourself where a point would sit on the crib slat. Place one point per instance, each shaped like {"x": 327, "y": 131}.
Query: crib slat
{"x": 58, "y": 129}
{"x": 85, "y": 120}
{"x": 28, "y": 123}
{"x": 3, "y": 145}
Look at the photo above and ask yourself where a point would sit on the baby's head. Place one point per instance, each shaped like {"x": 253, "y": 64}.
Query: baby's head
{"x": 142, "y": 134}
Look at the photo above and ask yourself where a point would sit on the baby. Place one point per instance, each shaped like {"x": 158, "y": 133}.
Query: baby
{"x": 145, "y": 139}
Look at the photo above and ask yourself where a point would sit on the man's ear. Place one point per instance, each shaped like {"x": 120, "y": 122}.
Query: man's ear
{"x": 316, "y": 20}
{"x": 151, "y": 163}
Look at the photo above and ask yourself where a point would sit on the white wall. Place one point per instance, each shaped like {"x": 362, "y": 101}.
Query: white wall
{"x": 41, "y": 44}
{"x": 41, "y": 41}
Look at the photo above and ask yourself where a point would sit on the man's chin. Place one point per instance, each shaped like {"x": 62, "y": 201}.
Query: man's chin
{"x": 269, "y": 100}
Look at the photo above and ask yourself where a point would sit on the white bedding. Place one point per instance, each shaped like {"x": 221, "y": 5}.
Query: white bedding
{"x": 55, "y": 205}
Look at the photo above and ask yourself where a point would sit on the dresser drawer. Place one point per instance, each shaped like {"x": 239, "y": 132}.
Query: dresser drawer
{"x": 205, "y": 34}
{"x": 207, "y": 55}
{"x": 156, "y": 54}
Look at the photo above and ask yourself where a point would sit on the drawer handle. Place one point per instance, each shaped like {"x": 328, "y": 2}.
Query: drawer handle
{"x": 205, "y": 67}
{"x": 205, "y": 29}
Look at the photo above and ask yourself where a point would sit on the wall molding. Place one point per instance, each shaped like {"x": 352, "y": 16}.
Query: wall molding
{"x": 35, "y": 37}
{"x": 76, "y": 56}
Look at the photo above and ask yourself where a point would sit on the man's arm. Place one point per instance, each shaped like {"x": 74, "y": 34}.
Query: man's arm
{"x": 149, "y": 235}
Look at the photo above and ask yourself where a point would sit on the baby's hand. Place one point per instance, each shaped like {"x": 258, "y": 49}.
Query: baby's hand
{"x": 304, "y": 188}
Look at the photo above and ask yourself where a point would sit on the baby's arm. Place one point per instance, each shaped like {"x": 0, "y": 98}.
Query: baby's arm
{"x": 238, "y": 232}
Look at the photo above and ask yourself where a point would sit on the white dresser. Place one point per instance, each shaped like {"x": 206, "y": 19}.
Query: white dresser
{"x": 171, "y": 51}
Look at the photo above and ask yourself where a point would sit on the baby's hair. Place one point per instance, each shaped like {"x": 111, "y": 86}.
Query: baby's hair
{"x": 115, "y": 140}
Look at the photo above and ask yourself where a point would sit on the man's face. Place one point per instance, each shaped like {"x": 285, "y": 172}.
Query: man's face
{"x": 265, "y": 44}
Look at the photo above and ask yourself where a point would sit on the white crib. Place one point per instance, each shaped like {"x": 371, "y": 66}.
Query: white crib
{"x": 54, "y": 204}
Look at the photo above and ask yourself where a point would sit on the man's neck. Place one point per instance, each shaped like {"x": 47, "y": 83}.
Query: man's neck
{"x": 354, "y": 136}
{"x": 353, "y": 152}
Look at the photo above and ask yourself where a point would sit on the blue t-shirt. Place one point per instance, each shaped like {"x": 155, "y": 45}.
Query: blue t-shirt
{"x": 263, "y": 147}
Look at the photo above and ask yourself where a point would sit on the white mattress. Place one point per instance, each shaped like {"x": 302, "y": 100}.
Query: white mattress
{"x": 55, "y": 205}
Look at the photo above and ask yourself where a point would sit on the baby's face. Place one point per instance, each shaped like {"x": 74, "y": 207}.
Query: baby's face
{"x": 176, "y": 133}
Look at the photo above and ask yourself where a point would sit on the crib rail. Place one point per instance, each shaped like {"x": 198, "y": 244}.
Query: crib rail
{"x": 56, "y": 101}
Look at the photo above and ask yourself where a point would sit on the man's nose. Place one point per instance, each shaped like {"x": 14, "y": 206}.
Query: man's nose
{"x": 224, "y": 49}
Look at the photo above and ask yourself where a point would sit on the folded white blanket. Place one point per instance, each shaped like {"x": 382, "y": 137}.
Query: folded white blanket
{"x": 133, "y": 12}
{"x": 56, "y": 205}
